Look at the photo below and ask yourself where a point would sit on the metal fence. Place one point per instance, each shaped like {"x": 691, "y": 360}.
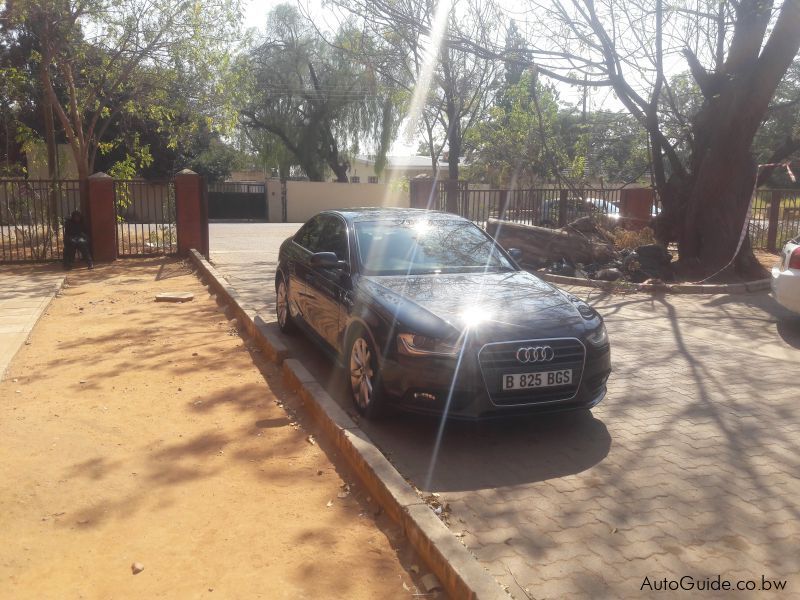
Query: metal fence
{"x": 32, "y": 214}
{"x": 146, "y": 218}
{"x": 775, "y": 218}
{"x": 548, "y": 207}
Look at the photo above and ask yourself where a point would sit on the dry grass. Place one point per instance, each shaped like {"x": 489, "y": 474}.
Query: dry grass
{"x": 628, "y": 239}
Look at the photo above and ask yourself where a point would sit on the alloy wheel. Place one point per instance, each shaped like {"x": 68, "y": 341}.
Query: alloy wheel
{"x": 282, "y": 305}
{"x": 361, "y": 374}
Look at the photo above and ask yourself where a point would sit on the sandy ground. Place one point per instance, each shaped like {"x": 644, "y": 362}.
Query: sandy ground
{"x": 136, "y": 431}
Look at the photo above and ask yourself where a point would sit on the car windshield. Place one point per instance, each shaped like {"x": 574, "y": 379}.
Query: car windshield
{"x": 417, "y": 246}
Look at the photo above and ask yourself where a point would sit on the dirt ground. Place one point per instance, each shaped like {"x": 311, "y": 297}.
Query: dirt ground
{"x": 142, "y": 431}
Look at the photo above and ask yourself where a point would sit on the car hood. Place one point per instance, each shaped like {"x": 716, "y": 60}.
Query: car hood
{"x": 511, "y": 305}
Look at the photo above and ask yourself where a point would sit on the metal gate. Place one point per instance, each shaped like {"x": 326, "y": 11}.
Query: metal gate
{"x": 234, "y": 200}
{"x": 146, "y": 217}
{"x": 32, "y": 214}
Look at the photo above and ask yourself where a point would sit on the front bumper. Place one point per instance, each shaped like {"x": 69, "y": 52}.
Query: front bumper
{"x": 786, "y": 288}
{"x": 465, "y": 390}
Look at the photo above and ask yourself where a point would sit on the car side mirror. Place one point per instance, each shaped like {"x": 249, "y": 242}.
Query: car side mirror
{"x": 328, "y": 260}
{"x": 515, "y": 253}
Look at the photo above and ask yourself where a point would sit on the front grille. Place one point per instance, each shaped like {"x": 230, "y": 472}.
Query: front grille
{"x": 500, "y": 359}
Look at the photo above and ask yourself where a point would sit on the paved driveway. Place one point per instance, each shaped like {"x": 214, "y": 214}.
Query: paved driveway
{"x": 24, "y": 295}
{"x": 688, "y": 468}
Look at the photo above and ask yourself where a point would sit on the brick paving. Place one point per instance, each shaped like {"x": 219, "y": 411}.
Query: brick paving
{"x": 700, "y": 476}
{"x": 689, "y": 467}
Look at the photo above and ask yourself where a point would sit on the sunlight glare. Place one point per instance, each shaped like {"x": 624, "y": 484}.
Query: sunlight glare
{"x": 438, "y": 27}
{"x": 474, "y": 315}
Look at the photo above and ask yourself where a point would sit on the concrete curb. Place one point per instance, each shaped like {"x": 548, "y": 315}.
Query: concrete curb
{"x": 448, "y": 559}
{"x": 674, "y": 288}
{"x": 43, "y": 306}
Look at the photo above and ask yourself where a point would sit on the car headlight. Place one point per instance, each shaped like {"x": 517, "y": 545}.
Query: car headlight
{"x": 598, "y": 337}
{"x": 413, "y": 344}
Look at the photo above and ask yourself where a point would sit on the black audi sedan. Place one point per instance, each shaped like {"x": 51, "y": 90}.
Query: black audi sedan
{"x": 426, "y": 312}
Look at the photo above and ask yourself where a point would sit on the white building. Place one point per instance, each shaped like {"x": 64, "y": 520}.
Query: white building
{"x": 362, "y": 168}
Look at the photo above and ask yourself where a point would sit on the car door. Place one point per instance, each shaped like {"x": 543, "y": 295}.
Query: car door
{"x": 325, "y": 288}
{"x": 298, "y": 265}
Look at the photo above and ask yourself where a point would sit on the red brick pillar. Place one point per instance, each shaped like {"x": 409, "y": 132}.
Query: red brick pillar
{"x": 636, "y": 205}
{"x": 102, "y": 218}
{"x": 190, "y": 214}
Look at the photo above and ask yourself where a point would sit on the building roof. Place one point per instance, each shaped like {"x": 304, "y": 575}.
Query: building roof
{"x": 403, "y": 162}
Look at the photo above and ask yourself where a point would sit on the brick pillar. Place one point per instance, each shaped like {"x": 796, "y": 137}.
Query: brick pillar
{"x": 190, "y": 214}
{"x": 102, "y": 217}
{"x": 636, "y": 205}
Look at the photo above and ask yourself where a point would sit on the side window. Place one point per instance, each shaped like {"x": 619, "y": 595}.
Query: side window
{"x": 334, "y": 237}
{"x": 309, "y": 235}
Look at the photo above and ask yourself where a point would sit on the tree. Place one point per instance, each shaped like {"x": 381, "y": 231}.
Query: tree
{"x": 779, "y": 137}
{"x": 516, "y": 145}
{"x": 122, "y": 57}
{"x": 737, "y": 52}
{"x": 616, "y": 145}
{"x": 314, "y": 98}
{"x": 451, "y": 89}
{"x": 19, "y": 96}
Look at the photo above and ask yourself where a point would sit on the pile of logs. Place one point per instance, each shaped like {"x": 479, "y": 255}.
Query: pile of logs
{"x": 579, "y": 242}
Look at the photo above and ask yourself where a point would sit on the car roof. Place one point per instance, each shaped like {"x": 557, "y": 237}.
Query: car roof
{"x": 355, "y": 215}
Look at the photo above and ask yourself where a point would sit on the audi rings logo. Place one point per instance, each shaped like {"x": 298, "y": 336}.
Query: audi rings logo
{"x": 535, "y": 354}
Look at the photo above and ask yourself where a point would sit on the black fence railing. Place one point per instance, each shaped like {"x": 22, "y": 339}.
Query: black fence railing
{"x": 775, "y": 216}
{"x": 32, "y": 214}
{"x": 547, "y": 207}
{"x": 238, "y": 187}
{"x": 146, "y": 217}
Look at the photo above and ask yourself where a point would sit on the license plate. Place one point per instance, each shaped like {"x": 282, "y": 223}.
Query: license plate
{"x": 524, "y": 381}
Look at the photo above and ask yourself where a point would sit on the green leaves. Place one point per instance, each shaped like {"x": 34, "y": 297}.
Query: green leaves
{"x": 106, "y": 62}
{"x": 317, "y": 101}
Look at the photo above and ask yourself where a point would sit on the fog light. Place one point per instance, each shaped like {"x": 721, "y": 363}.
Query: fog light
{"x": 424, "y": 396}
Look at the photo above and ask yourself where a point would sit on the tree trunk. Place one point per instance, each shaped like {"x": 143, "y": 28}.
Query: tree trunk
{"x": 539, "y": 244}
{"x": 340, "y": 170}
{"x": 715, "y": 216}
{"x": 707, "y": 210}
{"x": 83, "y": 177}
{"x": 454, "y": 151}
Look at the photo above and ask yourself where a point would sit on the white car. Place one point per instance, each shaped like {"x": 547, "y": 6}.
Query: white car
{"x": 786, "y": 277}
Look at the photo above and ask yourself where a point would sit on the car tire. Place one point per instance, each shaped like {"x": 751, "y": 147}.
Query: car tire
{"x": 285, "y": 322}
{"x": 362, "y": 375}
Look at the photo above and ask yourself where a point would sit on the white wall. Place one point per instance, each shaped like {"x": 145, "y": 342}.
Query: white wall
{"x": 307, "y": 198}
